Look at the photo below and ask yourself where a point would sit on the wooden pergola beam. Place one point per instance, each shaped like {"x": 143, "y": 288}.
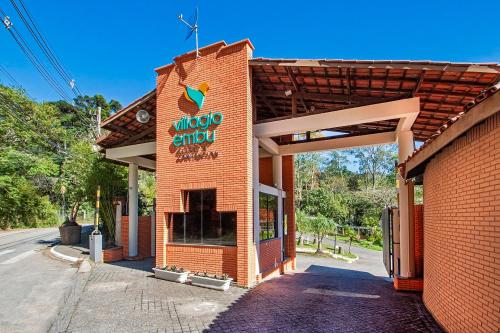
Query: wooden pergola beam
{"x": 268, "y": 104}
{"x": 120, "y": 129}
{"x": 296, "y": 87}
{"x": 140, "y": 135}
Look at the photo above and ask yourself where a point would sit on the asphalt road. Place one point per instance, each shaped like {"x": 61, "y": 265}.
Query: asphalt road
{"x": 370, "y": 261}
{"x": 32, "y": 284}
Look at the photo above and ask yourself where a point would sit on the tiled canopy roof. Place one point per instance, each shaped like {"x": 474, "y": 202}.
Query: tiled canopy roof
{"x": 294, "y": 88}
{"x": 444, "y": 88}
{"x": 419, "y": 164}
{"x": 124, "y": 129}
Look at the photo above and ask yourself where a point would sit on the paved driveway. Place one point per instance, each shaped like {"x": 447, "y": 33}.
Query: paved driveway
{"x": 322, "y": 296}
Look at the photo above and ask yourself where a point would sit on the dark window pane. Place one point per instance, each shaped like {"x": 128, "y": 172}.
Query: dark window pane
{"x": 228, "y": 228}
{"x": 201, "y": 223}
{"x": 177, "y": 227}
{"x": 272, "y": 213}
{"x": 263, "y": 216}
{"x": 194, "y": 202}
{"x": 193, "y": 228}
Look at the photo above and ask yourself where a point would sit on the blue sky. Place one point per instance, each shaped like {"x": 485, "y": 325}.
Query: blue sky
{"x": 112, "y": 47}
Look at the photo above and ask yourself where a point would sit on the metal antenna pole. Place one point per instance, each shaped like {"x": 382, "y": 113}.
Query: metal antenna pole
{"x": 196, "y": 37}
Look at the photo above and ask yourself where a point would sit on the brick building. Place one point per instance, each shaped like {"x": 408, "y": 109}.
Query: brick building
{"x": 461, "y": 220}
{"x": 220, "y": 131}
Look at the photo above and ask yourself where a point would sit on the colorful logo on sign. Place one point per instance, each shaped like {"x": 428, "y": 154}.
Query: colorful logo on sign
{"x": 199, "y": 129}
{"x": 196, "y": 96}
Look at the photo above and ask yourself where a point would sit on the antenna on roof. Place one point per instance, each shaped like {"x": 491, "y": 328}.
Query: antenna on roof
{"x": 192, "y": 25}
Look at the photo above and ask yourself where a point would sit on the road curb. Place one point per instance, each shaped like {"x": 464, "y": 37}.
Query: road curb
{"x": 59, "y": 255}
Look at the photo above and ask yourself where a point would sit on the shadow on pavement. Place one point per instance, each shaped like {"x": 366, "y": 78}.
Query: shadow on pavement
{"x": 326, "y": 299}
{"x": 145, "y": 265}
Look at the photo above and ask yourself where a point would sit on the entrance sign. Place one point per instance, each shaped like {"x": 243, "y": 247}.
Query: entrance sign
{"x": 200, "y": 125}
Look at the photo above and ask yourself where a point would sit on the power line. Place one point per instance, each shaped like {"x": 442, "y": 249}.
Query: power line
{"x": 42, "y": 43}
{"x": 16, "y": 83}
{"x": 21, "y": 42}
{"x": 7, "y": 74}
{"x": 38, "y": 64}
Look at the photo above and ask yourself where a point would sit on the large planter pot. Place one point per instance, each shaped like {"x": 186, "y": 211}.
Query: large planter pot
{"x": 70, "y": 234}
{"x": 207, "y": 282}
{"x": 170, "y": 276}
{"x": 113, "y": 254}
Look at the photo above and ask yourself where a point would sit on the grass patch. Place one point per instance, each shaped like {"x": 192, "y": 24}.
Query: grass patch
{"x": 360, "y": 243}
{"x": 326, "y": 255}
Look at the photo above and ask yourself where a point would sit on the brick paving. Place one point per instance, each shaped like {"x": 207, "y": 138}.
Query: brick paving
{"x": 126, "y": 298}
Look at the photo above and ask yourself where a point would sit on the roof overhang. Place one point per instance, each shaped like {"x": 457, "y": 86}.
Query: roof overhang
{"x": 415, "y": 165}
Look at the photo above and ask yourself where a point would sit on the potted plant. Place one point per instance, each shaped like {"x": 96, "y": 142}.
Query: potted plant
{"x": 70, "y": 232}
{"x": 202, "y": 279}
{"x": 171, "y": 273}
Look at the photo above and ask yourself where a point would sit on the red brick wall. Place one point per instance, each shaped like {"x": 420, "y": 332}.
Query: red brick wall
{"x": 462, "y": 231}
{"x": 112, "y": 254}
{"x": 212, "y": 259}
{"x": 418, "y": 222}
{"x": 144, "y": 236}
{"x": 125, "y": 235}
{"x": 144, "y": 240}
{"x": 270, "y": 255}
{"x": 266, "y": 171}
{"x": 226, "y": 70}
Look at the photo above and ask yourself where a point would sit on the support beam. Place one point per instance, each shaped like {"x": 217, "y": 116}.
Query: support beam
{"x": 406, "y": 123}
{"x": 133, "y": 209}
{"x": 405, "y": 149}
{"x": 296, "y": 86}
{"x": 269, "y": 145}
{"x": 364, "y": 114}
{"x": 278, "y": 171}
{"x": 339, "y": 143}
{"x": 147, "y": 148}
{"x": 278, "y": 183}
{"x": 255, "y": 188}
{"x": 139, "y": 161}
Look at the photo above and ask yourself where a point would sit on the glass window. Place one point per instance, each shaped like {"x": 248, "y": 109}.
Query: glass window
{"x": 268, "y": 216}
{"x": 227, "y": 228}
{"x": 201, "y": 223}
{"x": 178, "y": 227}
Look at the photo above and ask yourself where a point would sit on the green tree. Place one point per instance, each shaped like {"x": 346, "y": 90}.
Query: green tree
{"x": 349, "y": 232}
{"x": 76, "y": 171}
{"x": 147, "y": 192}
{"x": 320, "y": 226}
{"x": 302, "y": 222}
{"x": 374, "y": 161}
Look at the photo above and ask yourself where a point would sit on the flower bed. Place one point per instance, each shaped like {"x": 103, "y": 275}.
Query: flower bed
{"x": 171, "y": 273}
{"x": 211, "y": 281}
